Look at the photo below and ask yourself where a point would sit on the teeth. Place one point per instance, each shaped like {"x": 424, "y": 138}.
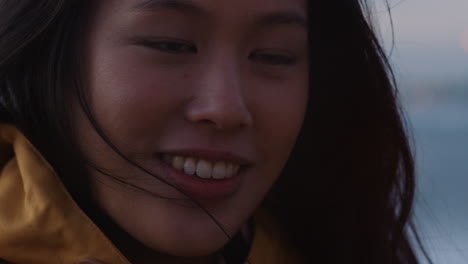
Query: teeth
{"x": 232, "y": 168}
{"x": 202, "y": 168}
{"x": 178, "y": 162}
{"x": 190, "y": 166}
{"x": 219, "y": 170}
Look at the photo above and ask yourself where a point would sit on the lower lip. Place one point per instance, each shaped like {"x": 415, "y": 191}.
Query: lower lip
{"x": 199, "y": 188}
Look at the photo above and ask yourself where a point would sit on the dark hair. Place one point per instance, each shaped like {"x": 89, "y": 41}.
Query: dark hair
{"x": 346, "y": 193}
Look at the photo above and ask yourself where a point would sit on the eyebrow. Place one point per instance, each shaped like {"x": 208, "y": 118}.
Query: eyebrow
{"x": 187, "y": 6}
{"x": 183, "y": 6}
{"x": 281, "y": 18}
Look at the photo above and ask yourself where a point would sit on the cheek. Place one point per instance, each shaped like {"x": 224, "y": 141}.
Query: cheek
{"x": 279, "y": 110}
{"x": 134, "y": 98}
{"x": 280, "y": 114}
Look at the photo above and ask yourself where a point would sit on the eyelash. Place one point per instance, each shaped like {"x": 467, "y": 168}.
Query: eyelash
{"x": 181, "y": 47}
{"x": 273, "y": 59}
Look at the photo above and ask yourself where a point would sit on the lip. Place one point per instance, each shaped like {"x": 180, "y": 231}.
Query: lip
{"x": 205, "y": 189}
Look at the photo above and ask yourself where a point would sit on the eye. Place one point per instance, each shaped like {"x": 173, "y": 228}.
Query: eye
{"x": 272, "y": 58}
{"x": 174, "y": 46}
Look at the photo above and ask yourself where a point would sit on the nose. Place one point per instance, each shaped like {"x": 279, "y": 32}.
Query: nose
{"x": 219, "y": 101}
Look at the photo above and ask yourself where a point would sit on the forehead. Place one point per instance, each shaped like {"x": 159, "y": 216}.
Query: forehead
{"x": 295, "y": 9}
{"x": 220, "y": 4}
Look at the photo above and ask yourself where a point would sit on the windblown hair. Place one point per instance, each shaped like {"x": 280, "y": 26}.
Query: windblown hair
{"x": 345, "y": 195}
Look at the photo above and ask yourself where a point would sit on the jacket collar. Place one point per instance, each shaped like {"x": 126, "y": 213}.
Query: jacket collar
{"x": 39, "y": 220}
{"x": 41, "y": 223}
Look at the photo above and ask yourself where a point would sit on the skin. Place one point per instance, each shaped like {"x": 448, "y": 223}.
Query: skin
{"x": 227, "y": 82}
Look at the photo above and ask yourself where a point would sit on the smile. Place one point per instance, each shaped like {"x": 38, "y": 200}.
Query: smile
{"x": 205, "y": 174}
{"x": 205, "y": 169}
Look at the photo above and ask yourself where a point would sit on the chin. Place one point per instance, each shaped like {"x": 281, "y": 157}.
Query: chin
{"x": 190, "y": 250}
{"x": 180, "y": 231}
{"x": 188, "y": 243}
{"x": 176, "y": 227}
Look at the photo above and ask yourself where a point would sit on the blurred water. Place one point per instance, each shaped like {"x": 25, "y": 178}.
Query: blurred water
{"x": 440, "y": 130}
{"x": 430, "y": 59}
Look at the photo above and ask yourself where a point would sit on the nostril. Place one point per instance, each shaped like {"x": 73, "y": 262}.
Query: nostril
{"x": 207, "y": 122}
{"x": 219, "y": 106}
{"x": 220, "y": 117}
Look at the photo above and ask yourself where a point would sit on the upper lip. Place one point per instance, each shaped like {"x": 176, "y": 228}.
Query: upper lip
{"x": 211, "y": 155}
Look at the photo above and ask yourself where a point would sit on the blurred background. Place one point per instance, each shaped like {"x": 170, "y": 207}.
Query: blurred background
{"x": 430, "y": 59}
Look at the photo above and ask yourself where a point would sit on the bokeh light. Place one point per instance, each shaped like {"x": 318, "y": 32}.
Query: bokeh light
{"x": 464, "y": 40}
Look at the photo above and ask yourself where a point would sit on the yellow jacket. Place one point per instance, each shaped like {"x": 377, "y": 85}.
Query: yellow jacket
{"x": 40, "y": 222}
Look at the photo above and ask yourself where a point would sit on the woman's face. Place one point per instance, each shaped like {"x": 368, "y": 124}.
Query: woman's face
{"x": 207, "y": 94}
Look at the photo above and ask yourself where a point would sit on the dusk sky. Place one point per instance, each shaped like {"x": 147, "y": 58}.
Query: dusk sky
{"x": 431, "y": 38}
